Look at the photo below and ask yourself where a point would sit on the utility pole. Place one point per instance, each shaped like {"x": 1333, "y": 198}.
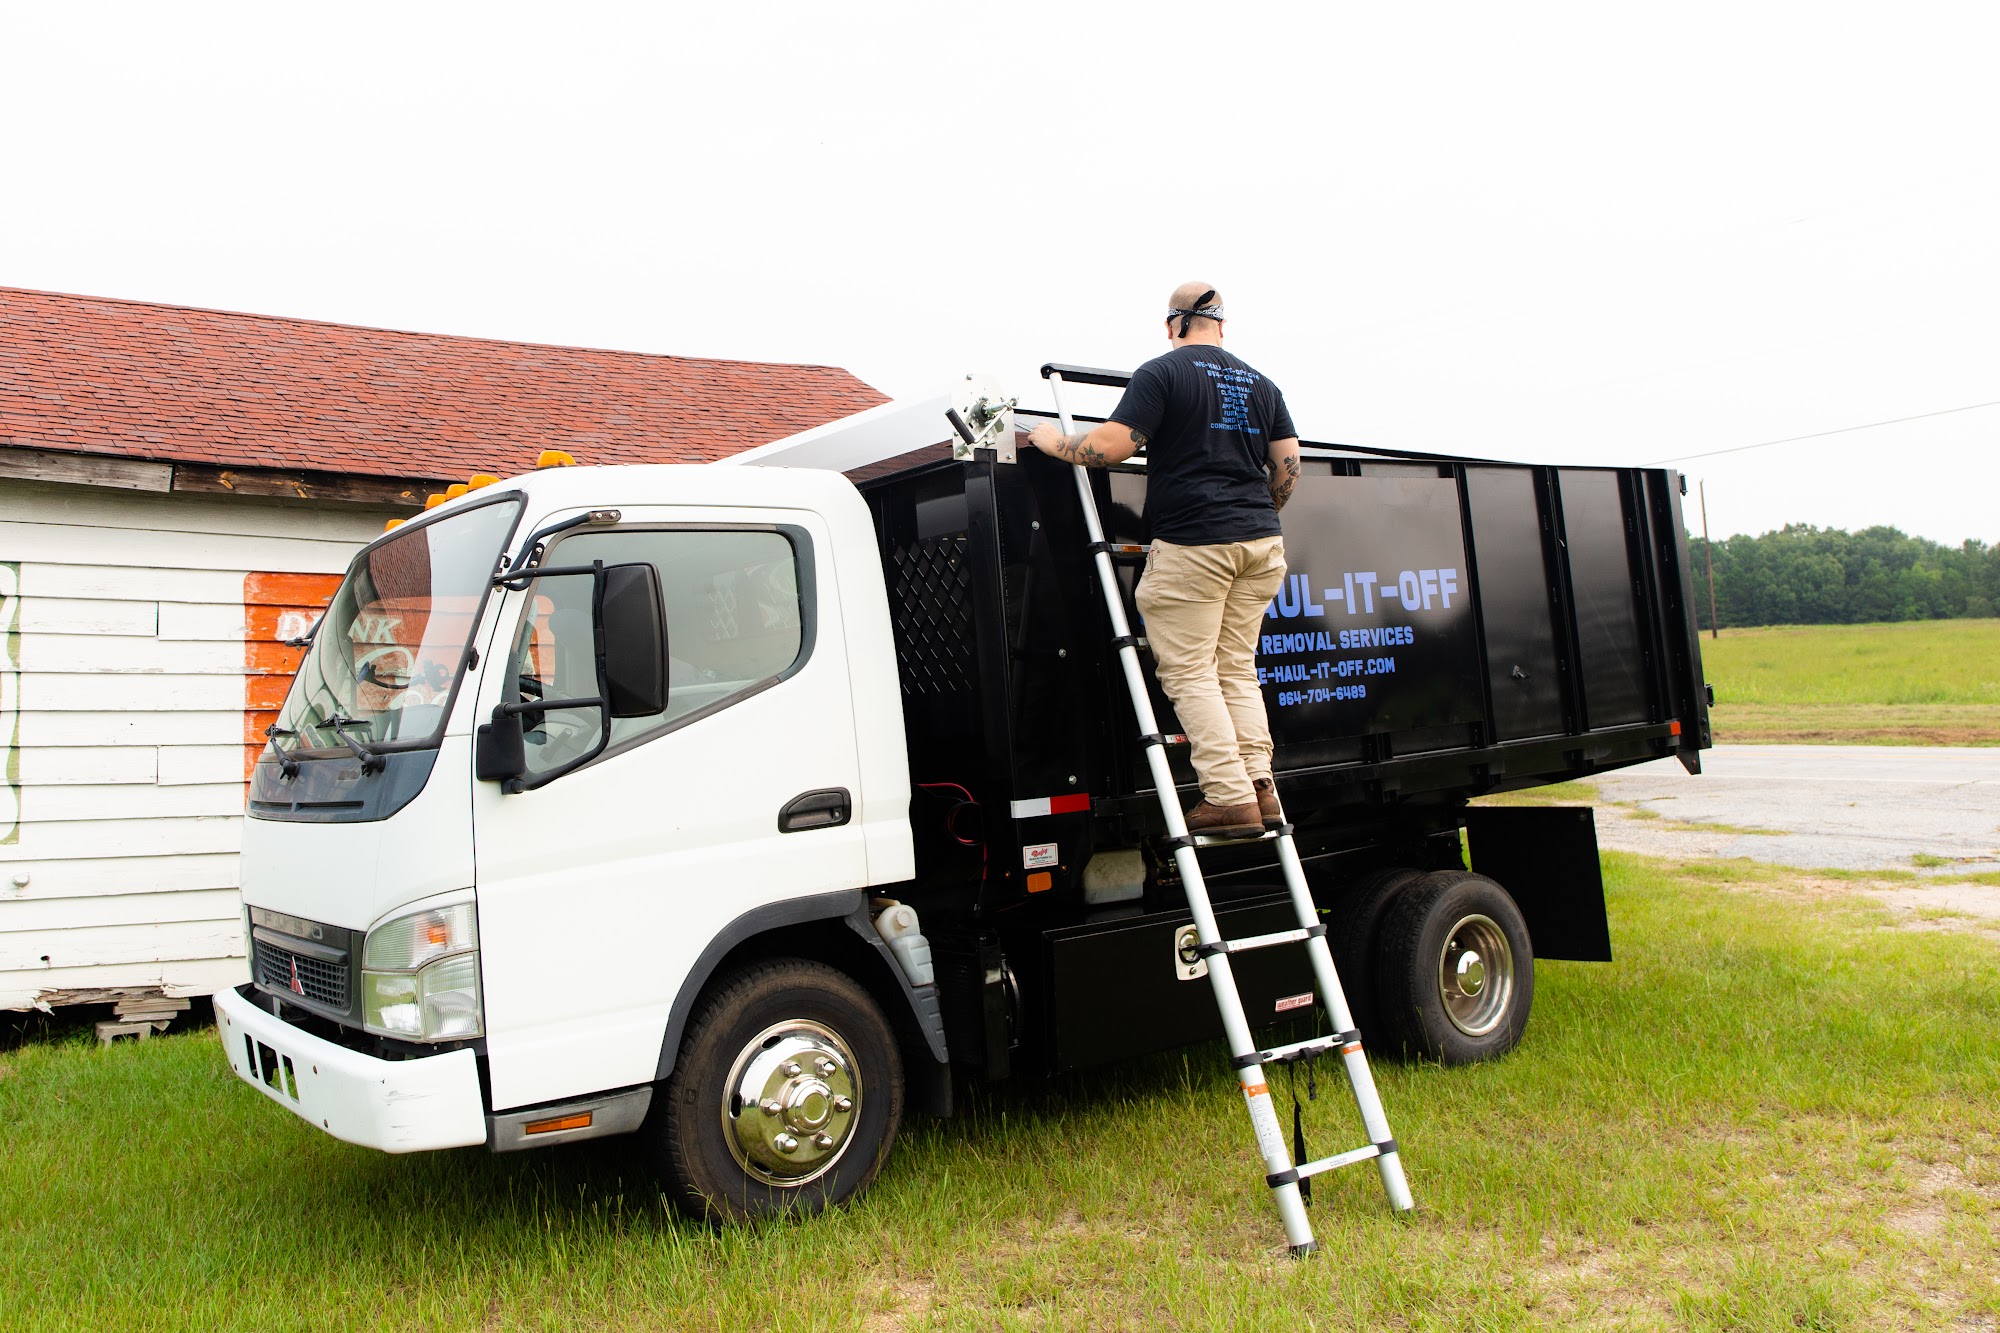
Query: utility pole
{"x": 1708, "y": 555}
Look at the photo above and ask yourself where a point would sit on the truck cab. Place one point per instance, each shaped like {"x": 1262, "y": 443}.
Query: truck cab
{"x": 559, "y": 751}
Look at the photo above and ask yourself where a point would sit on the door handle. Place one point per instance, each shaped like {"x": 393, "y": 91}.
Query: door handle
{"x": 829, "y": 807}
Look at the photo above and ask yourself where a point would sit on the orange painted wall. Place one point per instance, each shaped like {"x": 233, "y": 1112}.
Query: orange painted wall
{"x": 276, "y": 607}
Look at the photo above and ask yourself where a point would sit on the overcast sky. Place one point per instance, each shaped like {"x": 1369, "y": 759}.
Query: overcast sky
{"x": 1610, "y": 234}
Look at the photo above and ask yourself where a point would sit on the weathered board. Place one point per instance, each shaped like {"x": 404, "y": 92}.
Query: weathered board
{"x": 142, "y": 656}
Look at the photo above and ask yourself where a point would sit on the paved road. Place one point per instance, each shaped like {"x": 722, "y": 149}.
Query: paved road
{"x": 1851, "y": 807}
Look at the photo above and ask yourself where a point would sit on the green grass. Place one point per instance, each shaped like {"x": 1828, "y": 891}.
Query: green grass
{"x": 1775, "y": 1111}
{"x": 1930, "y": 682}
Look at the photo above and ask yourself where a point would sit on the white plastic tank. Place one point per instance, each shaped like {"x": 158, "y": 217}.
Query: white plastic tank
{"x": 898, "y": 927}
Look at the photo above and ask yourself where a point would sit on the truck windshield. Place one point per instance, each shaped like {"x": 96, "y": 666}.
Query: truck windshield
{"x": 388, "y": 653}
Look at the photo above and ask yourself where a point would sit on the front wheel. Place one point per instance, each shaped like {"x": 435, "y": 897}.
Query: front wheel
{"x": 1455, "y": 970}
{"x": 786, "y": 1096}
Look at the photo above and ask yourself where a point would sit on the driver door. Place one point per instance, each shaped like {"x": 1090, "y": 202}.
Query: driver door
{"x": 600, "y": 888}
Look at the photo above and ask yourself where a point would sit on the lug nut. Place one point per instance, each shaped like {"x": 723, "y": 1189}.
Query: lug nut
{"x": 771, "y": 1106}
{"x": 826, "y": 1067}
{"x": 784, "y": 1143}
{"x": 823, "y": 1140}
{"x": 792, "y": 1069}
{"x": 843, "y": 1103}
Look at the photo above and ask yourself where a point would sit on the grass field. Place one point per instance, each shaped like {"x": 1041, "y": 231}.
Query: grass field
{"x": 1776, "y": 1110}
{"x": 1927, "y": 682}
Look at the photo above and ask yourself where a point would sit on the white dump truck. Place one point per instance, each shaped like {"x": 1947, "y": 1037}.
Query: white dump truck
{"x": 732, "y": 807}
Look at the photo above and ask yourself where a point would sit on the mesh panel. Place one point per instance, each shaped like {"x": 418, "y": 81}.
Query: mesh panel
{"x": 322, "y": 983}
{"x": 931, "y": 586}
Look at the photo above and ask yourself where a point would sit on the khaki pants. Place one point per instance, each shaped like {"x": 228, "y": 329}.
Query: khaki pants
{"x": 1203, "y": 606}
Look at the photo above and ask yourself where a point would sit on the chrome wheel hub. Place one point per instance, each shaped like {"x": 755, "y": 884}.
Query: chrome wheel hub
{"x": 1476, "y": 975}
{"x": 790, "y": 1103}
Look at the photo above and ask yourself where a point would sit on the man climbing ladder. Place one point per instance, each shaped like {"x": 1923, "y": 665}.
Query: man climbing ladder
{"x": 1225, "y": 605}
{"x": 1210, "y": 425}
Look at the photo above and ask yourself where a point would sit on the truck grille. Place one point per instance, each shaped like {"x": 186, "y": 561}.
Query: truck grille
{"x": 322, "y": 983}
{"x": 932, "y": 585}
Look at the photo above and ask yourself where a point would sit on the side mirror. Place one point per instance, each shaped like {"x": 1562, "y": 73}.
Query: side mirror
{"x": 634, "y": 642}
{"x": 500, "y": 751}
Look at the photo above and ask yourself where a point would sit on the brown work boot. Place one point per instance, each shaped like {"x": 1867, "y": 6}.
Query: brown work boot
{"x": 1268, "y": 808}
{"x": 1225, "y": 821}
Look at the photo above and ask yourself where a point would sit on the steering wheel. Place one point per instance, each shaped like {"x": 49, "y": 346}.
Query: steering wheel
{"x": 566, "y": 732}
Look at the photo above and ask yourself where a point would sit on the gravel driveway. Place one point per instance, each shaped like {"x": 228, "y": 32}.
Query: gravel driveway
{"x": 1845, "y": 807}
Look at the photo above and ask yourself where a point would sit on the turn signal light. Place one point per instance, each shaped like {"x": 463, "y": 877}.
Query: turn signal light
{"x": 479, "y": 480}
{"x": 554, "y": 458}
{"x": 456, "y": 489}
{"x": 434, "y": 499}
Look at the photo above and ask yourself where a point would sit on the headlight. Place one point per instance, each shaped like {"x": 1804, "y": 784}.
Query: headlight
{"x": 420, "y": 975}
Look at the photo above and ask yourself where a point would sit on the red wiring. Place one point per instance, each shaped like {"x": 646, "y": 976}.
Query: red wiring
{"x": 951, "y": 821}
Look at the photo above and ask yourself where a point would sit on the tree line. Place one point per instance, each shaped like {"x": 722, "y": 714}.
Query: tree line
{"x": 1803, "y": 575}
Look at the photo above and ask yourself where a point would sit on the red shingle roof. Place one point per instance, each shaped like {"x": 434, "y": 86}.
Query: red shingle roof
{"x": 97, "y": 376}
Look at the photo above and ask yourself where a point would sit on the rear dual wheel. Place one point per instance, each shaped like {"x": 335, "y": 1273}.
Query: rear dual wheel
{"x": 786, "y": 1096}
{"x": 1455, "y": 970}
{"x": 1435, "y": 966}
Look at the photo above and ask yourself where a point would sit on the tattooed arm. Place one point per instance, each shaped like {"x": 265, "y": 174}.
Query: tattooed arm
{"x": 1284, "y": 470}
{"x": 1100, "y": 446}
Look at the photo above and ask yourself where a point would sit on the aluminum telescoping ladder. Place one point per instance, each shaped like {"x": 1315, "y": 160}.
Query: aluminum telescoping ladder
{"x": 1282, "y": 1174}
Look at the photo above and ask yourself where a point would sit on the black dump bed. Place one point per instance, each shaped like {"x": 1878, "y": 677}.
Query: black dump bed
{"x": 1449, "y": 628}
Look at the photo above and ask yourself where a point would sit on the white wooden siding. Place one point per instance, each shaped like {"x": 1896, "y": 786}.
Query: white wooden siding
{"x": 122, "y": 714}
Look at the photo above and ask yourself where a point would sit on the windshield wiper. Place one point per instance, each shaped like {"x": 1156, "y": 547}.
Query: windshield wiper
{"x": 287, "y": 765}
{"x": 371, "y": 758}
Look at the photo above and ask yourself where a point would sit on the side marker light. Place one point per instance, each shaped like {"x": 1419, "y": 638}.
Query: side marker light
{"x": 392, "y": 525}
{"x": 456, "y": 489}
{"x": 581, "y": 1120}
{"x": 481, "y": 480}
{"x": 434, "y": 499}
{"x": 554, "y": 458}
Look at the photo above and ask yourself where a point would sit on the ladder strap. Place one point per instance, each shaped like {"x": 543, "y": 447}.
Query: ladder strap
{"x": 1315, "y": 931}
{"x": 1120, "y": 642}
{"x": 1290, "y": 1176}
{"x": 1387, "y": 1146}
{"x": 1301, "y": 1053}
{"x": 1115, "y": 548}
{"x": 1152, "y": 738}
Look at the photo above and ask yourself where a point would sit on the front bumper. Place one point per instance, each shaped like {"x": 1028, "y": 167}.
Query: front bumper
{"x": 394, "y": 1105}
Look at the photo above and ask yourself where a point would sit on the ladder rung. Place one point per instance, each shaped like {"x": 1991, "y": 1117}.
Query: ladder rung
{"x": 1296, "y": 935}
{"x": 1214, "y": 840}
{"x": 1338, "y": 1160}
{"x": 1297, "y": 1050}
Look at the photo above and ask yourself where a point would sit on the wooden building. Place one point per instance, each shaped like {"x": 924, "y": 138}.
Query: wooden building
{"x": 179, "y": 491}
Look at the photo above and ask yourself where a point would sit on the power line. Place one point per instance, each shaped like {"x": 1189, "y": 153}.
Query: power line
{"x": 1817, "y": 435}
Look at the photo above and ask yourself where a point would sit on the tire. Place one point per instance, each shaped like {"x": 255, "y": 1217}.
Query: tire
{"x": 1455, "y": 971}
{"x": 788, "y": 1034}
{"x": 1353, "y": 927}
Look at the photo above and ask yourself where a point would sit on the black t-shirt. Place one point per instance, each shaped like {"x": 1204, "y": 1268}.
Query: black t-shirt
{"x": 1209, "y": 420}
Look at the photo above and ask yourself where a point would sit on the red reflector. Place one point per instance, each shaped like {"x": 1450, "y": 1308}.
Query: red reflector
{"x": 1069, "y": 805}
{"x": 1674, "y": 727}
{"x": 1040, "y": 882}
